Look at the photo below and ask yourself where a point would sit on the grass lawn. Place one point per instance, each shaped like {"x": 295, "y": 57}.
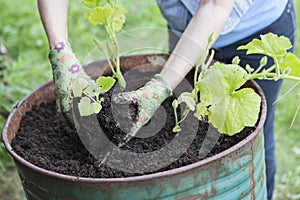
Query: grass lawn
{"x": 22, "y": 33}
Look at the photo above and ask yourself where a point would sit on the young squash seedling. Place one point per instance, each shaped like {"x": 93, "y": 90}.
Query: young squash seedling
{"x": 110, "y": 15}
{"x": 222, "y": 101}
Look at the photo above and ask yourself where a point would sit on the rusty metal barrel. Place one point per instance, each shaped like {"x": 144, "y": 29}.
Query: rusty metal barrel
{"x": 236, "y": 173}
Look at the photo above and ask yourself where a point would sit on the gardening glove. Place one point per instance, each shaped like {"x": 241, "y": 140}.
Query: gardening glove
{"x": 66, "y": 68}
{"x": 148, "y": 98}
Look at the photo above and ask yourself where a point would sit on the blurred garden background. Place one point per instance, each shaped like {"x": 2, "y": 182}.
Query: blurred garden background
{"x": 22, "y": 34}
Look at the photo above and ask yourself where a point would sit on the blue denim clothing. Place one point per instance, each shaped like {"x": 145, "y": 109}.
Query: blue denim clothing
{"x": 285, "y": 25}
{"x": 246, "y": 18}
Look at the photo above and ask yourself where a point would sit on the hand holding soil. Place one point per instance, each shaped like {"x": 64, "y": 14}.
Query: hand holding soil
{"x": 147, "y": 98}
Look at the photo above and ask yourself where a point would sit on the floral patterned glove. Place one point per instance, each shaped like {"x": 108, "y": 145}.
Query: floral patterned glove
{"x": 66, "y": 68}
{"x": 148, "y": 98}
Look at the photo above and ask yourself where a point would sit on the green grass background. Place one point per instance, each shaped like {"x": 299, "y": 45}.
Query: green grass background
{"x": 22, "y": 33}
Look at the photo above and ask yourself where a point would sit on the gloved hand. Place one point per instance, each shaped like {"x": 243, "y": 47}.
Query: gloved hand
{"x": 66, "y": 68}
{"x": 148, "y": 98}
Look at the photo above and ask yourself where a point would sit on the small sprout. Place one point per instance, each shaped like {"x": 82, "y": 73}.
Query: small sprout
{"x": 286, "y": 71}
{"x": 176, "y": 129}
{"x": 249, "y": 69}
{"x": 175, "y": 104}
{"x": 263, "y": 61}
{"x": 90, "y": 103}
{"x": 236, "y": 60}
{"x": 211, "y": 38}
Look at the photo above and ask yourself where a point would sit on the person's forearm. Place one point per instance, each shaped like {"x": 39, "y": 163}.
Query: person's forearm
{"x": 54, "y": 18}
{"x": 210, "y": 17}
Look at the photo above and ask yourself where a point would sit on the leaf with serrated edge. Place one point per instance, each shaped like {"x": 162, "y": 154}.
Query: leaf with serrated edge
{"x": 293, "y": 62}
{"x": 119, "y": 17}
{"x": 234, "y": 112}
{"x": 101, "y": 15}
{"x": 228, "y": 109}
{"x": 91, "y": 3}
{"x": 270, "y": 44}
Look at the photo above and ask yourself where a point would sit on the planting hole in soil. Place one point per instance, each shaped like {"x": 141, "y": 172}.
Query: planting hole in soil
{"x": 91, "y": 150}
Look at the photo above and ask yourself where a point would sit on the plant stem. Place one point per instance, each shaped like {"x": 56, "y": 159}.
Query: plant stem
{"x": 258, "y": 69}
{"x": 184, "y": 116}
{"x": 105, "y": 54}
{"x": 120, "y": 77}
{"x": 277, "y": 66}
{"x": 195, "y": 82}
{"x": 175, "y": 115}
{"x": 91, "y": 98}
{"x": 114, "y": 41}
{"x": 273, "y": 76}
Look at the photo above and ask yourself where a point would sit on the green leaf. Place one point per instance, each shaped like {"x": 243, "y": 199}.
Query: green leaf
{"x": 201, "y": 111}
{"x": 236, "y": 60}
{"x": 232, "y": 113}
{"x": 91, "y": 3}
{"x": 175, "y": 104}
{"x": 100, "y": 15}
{"x": 176, "y": 129}
{"x": 249, "y": 68}
{"x": 270, "y": 44}
{"x": 263, "y": 61}
{"x": 85, "y": 107}
{"x": 112, "y": 17}
{"x": 89, "y": 91}
{"x": 211, "y": 38}
{"x": 78, "y": 85}
{"x": 291, "y": 61}
{"x": 119, "y": 17}
{"x": 220, "y": 80}
{"x": 105, "y": 83}
{"x": 187, "y": 98}
{"x": 96, "y": 107}
{"x": 228, "y": 107}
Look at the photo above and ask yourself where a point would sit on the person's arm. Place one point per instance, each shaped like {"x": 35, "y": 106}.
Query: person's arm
{"x": 65, "y": 66}
{"x": 210, "y": 17}
{"x": 54, "y": 14}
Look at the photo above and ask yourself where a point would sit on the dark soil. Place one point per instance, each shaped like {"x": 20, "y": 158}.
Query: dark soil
{"x": 48, "y": 142}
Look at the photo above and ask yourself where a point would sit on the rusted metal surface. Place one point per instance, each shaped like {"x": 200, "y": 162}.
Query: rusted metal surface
{"x": 237, "y": 173}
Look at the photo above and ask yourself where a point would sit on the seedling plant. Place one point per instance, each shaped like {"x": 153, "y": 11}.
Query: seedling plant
{"x": 110, "y": 15}
{"x": 223, "y": 102}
